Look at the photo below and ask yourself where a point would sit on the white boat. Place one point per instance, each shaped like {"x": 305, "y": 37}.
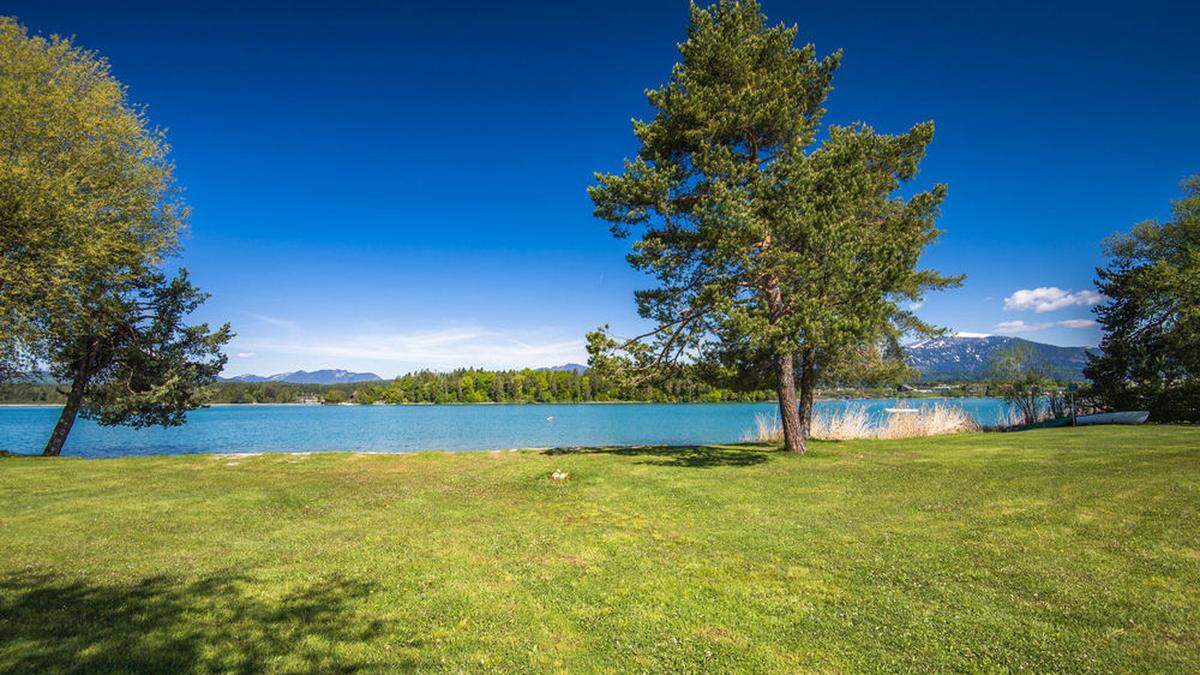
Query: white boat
{"x": 893, "y": 411}
{"x": 1127, "y": 417}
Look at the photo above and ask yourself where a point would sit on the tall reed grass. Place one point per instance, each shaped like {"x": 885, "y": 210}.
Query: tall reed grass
{"x": 842, "y": 425}
{"x": 767, "y": 429}
{"x": 929, "y": 420}
{"x": 854, "y": 422}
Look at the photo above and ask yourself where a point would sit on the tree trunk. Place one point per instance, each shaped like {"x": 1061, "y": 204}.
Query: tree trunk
{"x": 793, "y": 432}
{"x": 66, "y": 419}
{"x": 808, "y": 387}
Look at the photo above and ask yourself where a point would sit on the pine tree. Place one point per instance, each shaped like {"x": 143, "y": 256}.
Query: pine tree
{"x": 1150, "y": 353}
{"x": 763, "y": 246}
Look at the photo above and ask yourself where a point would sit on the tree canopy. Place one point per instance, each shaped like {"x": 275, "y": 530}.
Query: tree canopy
{"x": 1022, "y": 377}
{"x": 87, "y": 192}
{"x": 90, "y": 212}
{"x": 767, "y": 247}
{"x": 1150, "y": 351}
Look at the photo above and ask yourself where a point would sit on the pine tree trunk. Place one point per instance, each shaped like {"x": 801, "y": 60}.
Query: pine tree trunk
{"x": 808, "y": 387}
{"x": 793, "y": 432}
{"x": 66, "y": 419}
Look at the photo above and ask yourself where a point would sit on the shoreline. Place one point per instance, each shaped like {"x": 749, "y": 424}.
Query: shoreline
{"x": 41, "y": 404}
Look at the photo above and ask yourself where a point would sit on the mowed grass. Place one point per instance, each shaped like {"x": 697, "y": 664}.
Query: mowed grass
{"x": 1062, "y": 549}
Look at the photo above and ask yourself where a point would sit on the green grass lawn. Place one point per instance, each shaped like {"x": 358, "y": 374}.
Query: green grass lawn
{"x": 1061, "y": 549}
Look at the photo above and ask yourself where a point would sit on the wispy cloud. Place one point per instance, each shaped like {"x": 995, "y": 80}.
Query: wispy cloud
{"x": 1076, "y": 323}
{"x": 1049, "y": 299}
{"x": 273, "y": 321}
{"x": 1023, "y": 327}
{"x": 245, "y": 355}
{"x": 438, "y": 349}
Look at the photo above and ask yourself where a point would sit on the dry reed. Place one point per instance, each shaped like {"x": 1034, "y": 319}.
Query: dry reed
{"x": 842, "y": 425}
{"x": 854, "y": 422}
{"x": 767, "y": 429}
{"x": 932, "y": 420}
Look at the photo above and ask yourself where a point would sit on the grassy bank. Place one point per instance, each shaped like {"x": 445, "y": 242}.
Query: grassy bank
{"x": 1068, "y": 549}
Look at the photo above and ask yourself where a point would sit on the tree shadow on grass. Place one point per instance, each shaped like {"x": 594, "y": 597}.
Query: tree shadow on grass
{"x": 164, "y": 624}
{"x": 690, "y": 456}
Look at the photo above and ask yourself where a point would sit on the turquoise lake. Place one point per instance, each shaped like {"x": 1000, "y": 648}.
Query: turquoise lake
{"x": 266, "y": 428}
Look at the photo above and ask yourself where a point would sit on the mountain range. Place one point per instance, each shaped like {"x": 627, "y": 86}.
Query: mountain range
{"x": 306, "y": 377}
{"x": 944, "y": 359}
{"x": 970, "y": 358}
{"x": 577, "y": 368}
{"x": 958, "y": 359}
{"x": 346, "y": 377}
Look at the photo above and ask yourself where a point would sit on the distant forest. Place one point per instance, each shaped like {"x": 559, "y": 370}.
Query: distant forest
{"x": 459, "y": 386}
{"x": 490, "y": 386}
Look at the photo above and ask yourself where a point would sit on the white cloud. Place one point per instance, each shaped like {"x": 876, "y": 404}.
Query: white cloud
{"x": 246, "y": 355}
{"x": 1050, "y": 298}
{"x": 1076, "y": 323}
{"x": 1015, "y": 327}
{"x": 436, "y": 349}
{"x": 1019, "y": 326}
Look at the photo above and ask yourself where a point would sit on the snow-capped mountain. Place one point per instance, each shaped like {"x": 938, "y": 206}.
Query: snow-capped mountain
{"x": 305, "y": 377}
{"x": 971, "y": 358}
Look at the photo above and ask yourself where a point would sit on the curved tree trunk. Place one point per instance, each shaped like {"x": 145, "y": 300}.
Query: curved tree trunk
{"x": 789, "y": 406}
{"x": 66, "y": 419}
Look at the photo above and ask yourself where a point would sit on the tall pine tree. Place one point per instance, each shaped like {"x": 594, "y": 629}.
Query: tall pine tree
{"x": 763, "y": 243}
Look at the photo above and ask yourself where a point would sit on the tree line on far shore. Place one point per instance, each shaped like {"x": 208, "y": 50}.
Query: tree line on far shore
{"x": 472, "y": 385}
{"x": 464, "y": 385}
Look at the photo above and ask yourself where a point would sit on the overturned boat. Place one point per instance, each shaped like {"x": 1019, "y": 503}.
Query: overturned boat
{"x": 1127, "y": 417}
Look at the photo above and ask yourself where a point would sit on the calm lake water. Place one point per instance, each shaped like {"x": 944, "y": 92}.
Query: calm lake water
{"x": 264, "y": 428}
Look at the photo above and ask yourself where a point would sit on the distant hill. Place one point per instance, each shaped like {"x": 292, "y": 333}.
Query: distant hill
{"x": 971, "y": 358}
{"x": 306, "y": 377}
{"x": 576, "y": 368}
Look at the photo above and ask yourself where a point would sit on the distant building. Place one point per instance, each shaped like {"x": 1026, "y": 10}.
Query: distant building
{"x": 308, "y": 399}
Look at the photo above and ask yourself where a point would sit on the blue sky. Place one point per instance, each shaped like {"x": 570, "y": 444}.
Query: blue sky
{"x": 388, "y": 186}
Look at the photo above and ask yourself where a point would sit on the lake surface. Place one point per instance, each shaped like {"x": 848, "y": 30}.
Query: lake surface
{"x": 266, "y": 428}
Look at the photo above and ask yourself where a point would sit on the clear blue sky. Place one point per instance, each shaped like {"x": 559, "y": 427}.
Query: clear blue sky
{"x": 386, "y": 186}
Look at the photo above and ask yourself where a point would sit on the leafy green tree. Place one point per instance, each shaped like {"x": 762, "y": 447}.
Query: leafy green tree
{"x": 90, "y": 211}
{"x": 1150, "y": 353}
{"x": 335, "y": 396}
{"x": 1021, "y": 377}
{"x": 785, "y": 255}
{"x": 87, "y": 196}
{"x": 367, "y": 394}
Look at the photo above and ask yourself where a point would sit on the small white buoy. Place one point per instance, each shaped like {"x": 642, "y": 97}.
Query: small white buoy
{"x": 550, "y": 418}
